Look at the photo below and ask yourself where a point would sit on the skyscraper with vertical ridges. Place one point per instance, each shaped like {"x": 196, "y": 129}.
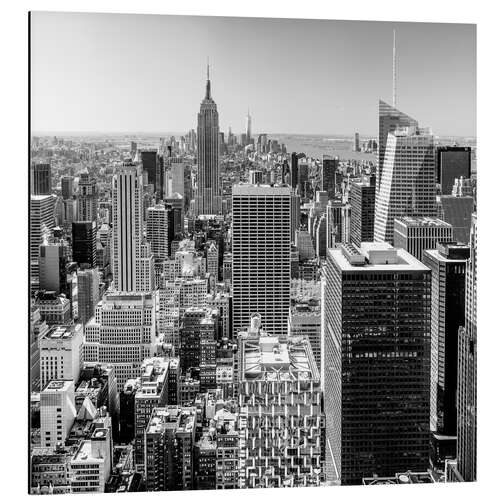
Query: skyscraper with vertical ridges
{"x": 208, "y": 193}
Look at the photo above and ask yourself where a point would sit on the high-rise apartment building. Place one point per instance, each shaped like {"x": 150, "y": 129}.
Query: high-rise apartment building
{"x": 362, "y": 200}
{"x": 416, "y": 234}
{"x": 452, "y": 162}
{"x": 170, "y": 439}
{"x": 131, "y": 254}
{"x": 408, "y": 184}
{"x": 447, "y": 263}
{"x": 208, "y": 190}
{"x": 467, "y": 371}
{"x": 376, "y": 362}
{"x": 261, "y": 255}
{"x": 122, "y": 333}
{"x": 84, "y": 243}
{"x": 41, "y": 180}
{"x": 281, "y": 417}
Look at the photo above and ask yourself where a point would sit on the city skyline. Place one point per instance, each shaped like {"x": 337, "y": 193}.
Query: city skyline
{"x": 123, "y": 49}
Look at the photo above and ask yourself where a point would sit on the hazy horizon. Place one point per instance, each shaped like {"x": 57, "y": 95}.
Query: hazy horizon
{"x": 121, "y": 74}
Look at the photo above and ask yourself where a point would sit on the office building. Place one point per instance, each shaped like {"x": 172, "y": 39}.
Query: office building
{"x": 88, "y": 293}
{"x": 84, "y": 243}
{"x": 41, "y": 225}
{"x": 389, "y": 119}
{"x": 67, "y": 186}
{"x": 208, "y": 190}
{"x": 122, "y": 333}
{"x": 280, "y": 399}
{"x": 452, "y": 162}
{"x": 57, "y": 412}
{"x": 41, "y": 181}
{"x": 92, "y": 462}
{"x": 467, "y": 371}
{"x": 55, "y": 309}
{"x": 52, "y": 266}
{"x": 362, "y": 200}
{"x": 88, "y": 198}
{"x": 61, "y": 354}
{"x": 158, "y": 231}
{"x": 447, "y": 263}
{"x": 261, "y": 255}
{"x": 376, "y": 362}
{"x": 416, "y": 234}
{"x": 457, "y": 211}
{"x": 407, "y": 185}
{"x": 153, "y": 165}
{"x": 131, "y": 255}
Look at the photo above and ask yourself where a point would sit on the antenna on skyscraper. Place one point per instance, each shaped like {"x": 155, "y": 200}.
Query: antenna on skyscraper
{"x": 208, "y": 68}
{"x": 394, "y": 70}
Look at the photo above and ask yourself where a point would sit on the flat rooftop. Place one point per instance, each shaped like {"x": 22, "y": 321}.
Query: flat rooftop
{"x": 243, "y": 189}
{"x": 421, "y": 221}
{"x": 375, "y": 256}
{"x": 273, "y": 358}
{"x": 63, "y": 332}
{"x": 58, "y": 386}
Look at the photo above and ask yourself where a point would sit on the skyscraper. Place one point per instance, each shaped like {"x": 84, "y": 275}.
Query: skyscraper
{"x": 41, "y": 225}
{"x": 41, "y": 182}
{"x": 467, "y": 370}
{"x": 457, "y": 211}
{"x": 452, "y": 162}
{"x": 389, "y": 119}
{"x": 447, "y": 263}
{"x": 88, "y": 293}
{"x": 131, "y": 255}
{"x": 281, "y": 411}
{"x": 376, "y": 362}
{"x": 329, "y": 175}
{"x": 122, "y": 333}
{"x": 84, "y": 242}
{"x": 261, "y": 255}
{"x": 249, "y": 128}
{"x": 362, "y": 199}
{"x": 67, "y": 183}
{"x": 88, "y": 197}
{"x": 157, "y": 231}
{"x": 208, "y": 191}
{"x": 407, "y": 185}
{"x": 416, "y": 234}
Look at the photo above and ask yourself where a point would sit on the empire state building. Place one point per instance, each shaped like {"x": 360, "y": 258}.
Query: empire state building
{"x": 208, "y": 192}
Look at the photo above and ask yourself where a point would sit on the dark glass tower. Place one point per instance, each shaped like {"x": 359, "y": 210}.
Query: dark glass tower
{"x": 452, "y": 162}
{"x": 84, "y": 243}
{"x": 362, "y": 199}
{"x": 447, "y": 263}
{"x": 377, "y": 362}
{"x": 467, "y": 371}
{"x": 208, "y": 192}
{"x": 41, "y": 179}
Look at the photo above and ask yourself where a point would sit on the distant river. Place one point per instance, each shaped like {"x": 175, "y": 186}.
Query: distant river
{"x": 318, "y": 145}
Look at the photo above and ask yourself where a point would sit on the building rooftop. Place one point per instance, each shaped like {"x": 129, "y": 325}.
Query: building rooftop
{"x": 272, "y": 358}
{"x": 64, "y": 332}
{"x": 374, "y": 256}
{"x": 261, "y": 189}
{"x": 421, "y": 221}
{"x": 174, "y": 417}
{"x": 58, "y": 386}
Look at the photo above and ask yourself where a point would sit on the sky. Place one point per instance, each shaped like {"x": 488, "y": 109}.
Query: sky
{"x": 121, "y": 73}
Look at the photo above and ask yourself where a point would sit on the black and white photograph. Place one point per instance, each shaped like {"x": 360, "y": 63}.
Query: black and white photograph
{"x": 251, "y": 252}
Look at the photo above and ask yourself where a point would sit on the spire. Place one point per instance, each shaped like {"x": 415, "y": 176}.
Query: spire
{"x": 394, "y": 70}
{"x": 207, "y": 92}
